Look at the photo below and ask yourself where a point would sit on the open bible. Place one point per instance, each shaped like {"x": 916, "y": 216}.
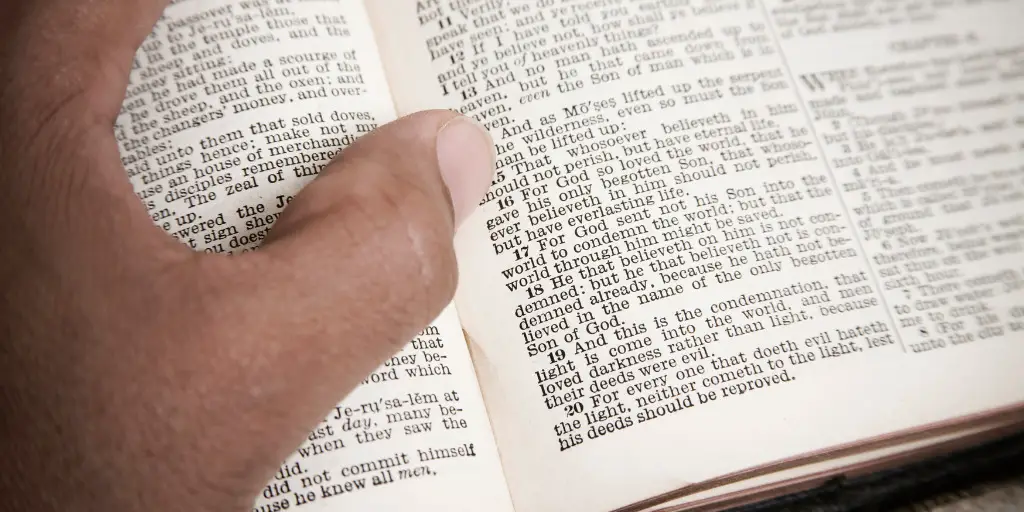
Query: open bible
{"x": 732, "y": 247}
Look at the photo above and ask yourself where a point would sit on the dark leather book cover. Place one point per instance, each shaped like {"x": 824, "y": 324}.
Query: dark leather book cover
{"x": 914, "y": 485}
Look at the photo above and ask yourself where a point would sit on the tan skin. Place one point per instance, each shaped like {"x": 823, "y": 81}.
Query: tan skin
{"x": 136, "y": 374}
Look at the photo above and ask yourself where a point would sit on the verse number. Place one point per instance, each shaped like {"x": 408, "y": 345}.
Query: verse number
{"x": 556, "y": 356}
{"x": 534, "y": 291}
{"x": 574, "y": 409}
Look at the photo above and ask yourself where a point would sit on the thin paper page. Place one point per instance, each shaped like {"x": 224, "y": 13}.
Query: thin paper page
{"x": 815, "y": 474}
{"x": 235, "y": 105}
{"x": 414, "y": 435}
{"x": 727, "y": 233}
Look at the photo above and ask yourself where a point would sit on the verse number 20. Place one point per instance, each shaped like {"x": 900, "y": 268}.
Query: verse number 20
{"x": 574, "y": 409}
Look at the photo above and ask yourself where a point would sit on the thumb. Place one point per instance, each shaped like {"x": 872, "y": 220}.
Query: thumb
{"x": 362, "y": 258}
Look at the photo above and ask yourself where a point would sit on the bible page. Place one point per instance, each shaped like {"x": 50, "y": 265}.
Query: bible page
{"x": 233, "y": 106}
{"x": 725, "y": 233}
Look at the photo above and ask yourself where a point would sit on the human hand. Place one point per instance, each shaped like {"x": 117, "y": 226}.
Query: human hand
{"x": 125, "y": 358}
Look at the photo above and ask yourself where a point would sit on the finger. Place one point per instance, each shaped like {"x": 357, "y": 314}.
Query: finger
{"x": 362, "y": 259}
{"x": 72, "y": 55}
{"x": 64, "y": 66}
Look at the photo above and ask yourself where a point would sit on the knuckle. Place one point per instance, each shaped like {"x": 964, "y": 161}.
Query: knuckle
{"x": 410, "y": 220}
{"x": 39, "y": 185}
{"x": 46, "y": 93}
{"x": 82, "y": 94}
